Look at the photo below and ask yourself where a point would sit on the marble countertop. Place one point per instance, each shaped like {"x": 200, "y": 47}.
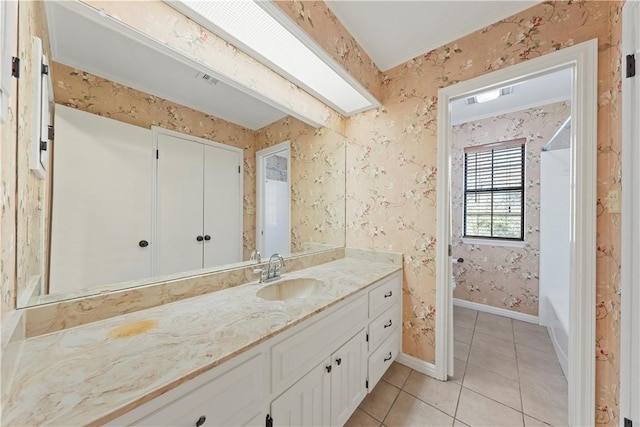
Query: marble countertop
{"x": 96, "y": 372}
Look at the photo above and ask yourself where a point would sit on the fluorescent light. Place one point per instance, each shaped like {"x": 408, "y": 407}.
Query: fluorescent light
{"x": 488, "y": 96}
{"x": 250, "y": 28}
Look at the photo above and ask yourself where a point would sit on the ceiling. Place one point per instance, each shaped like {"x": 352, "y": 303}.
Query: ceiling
{"x": 392, "y": 32}
{"x": 83, "y": 43}
{"x": 534, "y": 92}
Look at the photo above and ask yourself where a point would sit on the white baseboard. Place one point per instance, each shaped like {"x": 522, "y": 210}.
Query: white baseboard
{"x": 560, "y": 352}
{"x": 495, "y": 310}
{"x": 417, "y": 364}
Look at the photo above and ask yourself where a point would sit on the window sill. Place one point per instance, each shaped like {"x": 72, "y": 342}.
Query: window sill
{"x": 494, "y": 242}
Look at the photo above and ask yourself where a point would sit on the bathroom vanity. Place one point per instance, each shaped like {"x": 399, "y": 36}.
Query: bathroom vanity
{"x": 307, "y": 355}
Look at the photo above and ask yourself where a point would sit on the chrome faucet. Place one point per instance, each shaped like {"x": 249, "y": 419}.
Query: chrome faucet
{"x": 255, "y": 256}
{"x": 276, "y": 262}
{"x": 272, "y": 272}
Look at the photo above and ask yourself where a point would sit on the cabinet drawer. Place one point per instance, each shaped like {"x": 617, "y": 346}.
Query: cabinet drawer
{"x": 232, "y": 399}
{"x": 292, "y": 358}
{"x": 383, "y": 357}
{"x": 384, "y": 295}
{"x": 384, "y": 326}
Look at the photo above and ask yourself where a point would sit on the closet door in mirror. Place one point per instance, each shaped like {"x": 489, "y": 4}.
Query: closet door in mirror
{"x": 102, "y": 181}
{"x": 222, "y": 205}
{"x": 179, "y": 205}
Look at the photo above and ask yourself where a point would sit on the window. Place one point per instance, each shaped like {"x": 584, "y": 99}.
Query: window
{"x": 494, "y": 190}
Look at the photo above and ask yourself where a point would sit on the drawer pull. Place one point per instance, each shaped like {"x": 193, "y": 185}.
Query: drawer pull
{"x": 201, "y": 421}
{"x": 388, "y": 325}
{"x": 328, "y": 368}
{"x": 339, "y": 361}
{"x": 388, "y": 294}
{"x": 386, "y": 359}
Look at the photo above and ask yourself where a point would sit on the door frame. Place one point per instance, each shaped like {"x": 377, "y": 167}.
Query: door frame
{"x": 630, "y": 274}
{"x": 582, "y": 59}
{"x": 260, "y": 157}
{"x": 155, "y": 132}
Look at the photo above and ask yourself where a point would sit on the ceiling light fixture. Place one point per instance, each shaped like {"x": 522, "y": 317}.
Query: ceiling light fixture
{"x": 490, "y": 95}
{"x": 253, "y": 29}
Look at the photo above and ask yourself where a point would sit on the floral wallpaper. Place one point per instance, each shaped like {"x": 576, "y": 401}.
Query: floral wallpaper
{"x": 391, "y": 167}
{"x": 317, "y": 180}
{"x": 503, "y": 277}
{"x": 84, "y": 91}
{"x": 165, "y": 24}
{"x": 317, "y": 20}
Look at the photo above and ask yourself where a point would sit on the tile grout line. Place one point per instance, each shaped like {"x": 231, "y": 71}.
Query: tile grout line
{"x": 473, "y": 333}
{"x": 395, "y": 399}
{"x": 515, "y": 347}
{"x": 487, "y": 397}
{"x": 429, "y": 404}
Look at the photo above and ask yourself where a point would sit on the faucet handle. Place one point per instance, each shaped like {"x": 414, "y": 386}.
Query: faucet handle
{"x": 263, "y": 272}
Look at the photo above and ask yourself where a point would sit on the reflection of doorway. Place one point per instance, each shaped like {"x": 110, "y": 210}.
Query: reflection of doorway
{"x": 273, "y": 199}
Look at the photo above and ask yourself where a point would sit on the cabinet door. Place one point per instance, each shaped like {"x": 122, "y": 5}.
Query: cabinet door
{"x": 222, "y": 206}
{"x": 232, "y": 399}
{"x": 179, "y": 205}
{"x": 307, "y": 402}
{"x": 348, "y": 378}
{"x": 101, "y": 201}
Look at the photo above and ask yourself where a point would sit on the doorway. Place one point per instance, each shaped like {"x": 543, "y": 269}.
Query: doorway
{"x": 273, "y": 199}
{"x": 581, "y": 61}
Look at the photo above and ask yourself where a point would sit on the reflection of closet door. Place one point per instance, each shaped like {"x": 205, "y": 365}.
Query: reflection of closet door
{"x": 179, "y": 205}
{"x": 101, "y": 201}
{"x": 222, "y": 206}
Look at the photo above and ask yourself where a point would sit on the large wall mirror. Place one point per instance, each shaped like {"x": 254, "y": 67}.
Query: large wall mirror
{"x": 152, "y": 171}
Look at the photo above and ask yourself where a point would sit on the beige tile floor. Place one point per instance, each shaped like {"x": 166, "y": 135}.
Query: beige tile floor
{"x": 506, "y": 374}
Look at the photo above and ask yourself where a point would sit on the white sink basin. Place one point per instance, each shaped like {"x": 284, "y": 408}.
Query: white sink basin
{"x": 286, "y": 289}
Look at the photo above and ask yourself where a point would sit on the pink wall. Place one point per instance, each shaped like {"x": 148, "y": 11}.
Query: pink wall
{"x": 500, "y": 276}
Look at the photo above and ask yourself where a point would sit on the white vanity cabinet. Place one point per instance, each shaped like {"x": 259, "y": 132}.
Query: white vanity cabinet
{"x": 348, "y": 378}
{"x": 225, "y": 396}
{"x": 307, "y": 402}
{"x": 314, "y": 374}
{"x": 328, "y": 394}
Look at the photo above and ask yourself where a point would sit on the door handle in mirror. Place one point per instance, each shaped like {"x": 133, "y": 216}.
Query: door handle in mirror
{"x": 387, "y": 325}
{"x": 207, "y": 237}
{"x": 143, "y": 243}
{"x": 328, "y": 368}
{"x": 339, "y": 361}
{"x": 199, "y": 238}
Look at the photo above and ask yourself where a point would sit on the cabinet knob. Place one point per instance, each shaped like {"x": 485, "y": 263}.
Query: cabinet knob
{"x": 388, "y": 325}
{"x": 199, "y": 238}
{"x": 143, "y": 243}
{"x": 328, "y": 368}
{"x": 388, "y": 294}
{"x": 339, "y": 361}
{"x": 386, "y": 359}
{"x": 207, "y": 237}
{"x": 201, "y": 421}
